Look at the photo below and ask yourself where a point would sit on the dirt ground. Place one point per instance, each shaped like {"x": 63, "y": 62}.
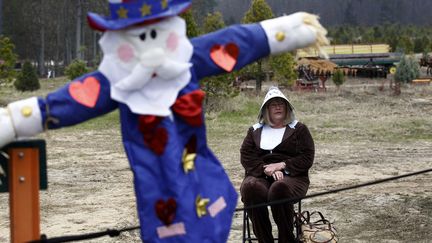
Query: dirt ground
{"x": 90, "y": 183}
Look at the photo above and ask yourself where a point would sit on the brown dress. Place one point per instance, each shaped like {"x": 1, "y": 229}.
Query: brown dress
{"x": 297, "y": 150}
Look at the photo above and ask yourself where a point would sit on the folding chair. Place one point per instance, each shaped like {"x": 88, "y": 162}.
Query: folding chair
{"x": 247, "y": 232}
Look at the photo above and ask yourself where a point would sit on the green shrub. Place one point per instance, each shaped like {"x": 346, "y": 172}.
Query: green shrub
{"x": 407, "y": 70}
{"x": 76, "y": 68}
{"x": 338, "y": 77}
{"x": 27, "y": 80}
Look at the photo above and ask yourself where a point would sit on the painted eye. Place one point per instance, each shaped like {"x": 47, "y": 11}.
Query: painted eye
{"x": 143, "y": 36}
{"x": 153, "y": 34}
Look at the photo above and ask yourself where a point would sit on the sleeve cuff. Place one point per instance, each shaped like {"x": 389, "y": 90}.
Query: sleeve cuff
{"x": 7, "y": 132}
{"x": 299, "y": 30}
{"x": 285, "y": 170}
{"x": 26, "y": 117}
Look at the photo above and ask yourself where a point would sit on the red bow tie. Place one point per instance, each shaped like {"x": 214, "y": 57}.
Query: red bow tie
{"x": 189, "y": 107}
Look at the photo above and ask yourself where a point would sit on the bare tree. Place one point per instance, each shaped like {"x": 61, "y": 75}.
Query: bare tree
{"x": 41, "y": 23}
{"x": 78, "y": 29}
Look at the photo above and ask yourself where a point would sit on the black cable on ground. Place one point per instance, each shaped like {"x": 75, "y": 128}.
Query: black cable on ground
{"x": 110, "y": 232}
{"x": 114, "y": 233}
{"x": 293, "y": 200}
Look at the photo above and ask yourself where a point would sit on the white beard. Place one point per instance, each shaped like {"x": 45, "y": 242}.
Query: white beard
{"x": 149, "y": 83}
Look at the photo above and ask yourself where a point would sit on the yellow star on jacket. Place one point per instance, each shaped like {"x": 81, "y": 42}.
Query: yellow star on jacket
{"x": 201, "y": 204}
{"x": 188, "y": 161}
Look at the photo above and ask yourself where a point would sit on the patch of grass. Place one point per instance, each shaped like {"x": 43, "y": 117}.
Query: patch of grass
{"x": 387, "y": 221}
{"x": 241, "y": 115}
{"x": 417, "y": 128}
{"x": 347, "y": 117}
{"x": 9, "y": 94}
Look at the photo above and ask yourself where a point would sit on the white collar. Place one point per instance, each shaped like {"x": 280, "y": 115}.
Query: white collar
{"x": 291, "y": 125}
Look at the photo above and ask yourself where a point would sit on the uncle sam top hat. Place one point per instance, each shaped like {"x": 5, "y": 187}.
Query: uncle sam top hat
{"x": 125, "y": 13}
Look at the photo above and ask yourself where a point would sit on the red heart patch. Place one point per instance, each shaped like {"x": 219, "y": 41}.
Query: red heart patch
{"x": 155, "y": 137}
{"x": 166, "y": 211}
{"x": 225, "y": 56}
{"x": 157, "y": 141}
{"x": 87, "y": 92}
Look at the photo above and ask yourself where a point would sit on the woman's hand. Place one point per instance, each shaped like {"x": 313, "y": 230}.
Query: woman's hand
{"x": 278, "y": 175}
{"x": 270, "y": 169}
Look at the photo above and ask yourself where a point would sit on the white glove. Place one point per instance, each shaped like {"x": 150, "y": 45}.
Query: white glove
{"x": 19, "y": 120}
{"x": 295, "y": 31}
{"x": 7, "y": 131}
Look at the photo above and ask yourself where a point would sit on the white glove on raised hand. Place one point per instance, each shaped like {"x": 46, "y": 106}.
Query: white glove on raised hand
{"x": 7, "y": 131}
{"x": 295, "y": 31}
{"x": 19, "y": 120}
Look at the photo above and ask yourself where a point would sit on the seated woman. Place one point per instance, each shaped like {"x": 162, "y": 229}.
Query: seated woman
{"x": 276, "y": 153}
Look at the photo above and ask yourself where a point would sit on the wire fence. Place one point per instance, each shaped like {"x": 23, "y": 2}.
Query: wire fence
{"x": 117, "y": 232}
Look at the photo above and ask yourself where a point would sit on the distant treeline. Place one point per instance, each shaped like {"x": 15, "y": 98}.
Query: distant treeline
{"x": 405, "y": 39}
{"x": 52, "y": 33}
{"x": 340, "y": 12}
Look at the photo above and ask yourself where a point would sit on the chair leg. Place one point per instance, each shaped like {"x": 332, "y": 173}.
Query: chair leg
{"x": 246, "y": 228}
{"x": 297, "y": 222}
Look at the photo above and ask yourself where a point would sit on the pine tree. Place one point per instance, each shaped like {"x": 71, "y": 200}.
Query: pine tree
{"x": 283, "y": 68}
{"x": 7, "y": 59}
{"x": 27, "y": 80}
{"x": 192, "y": 29}
{"x": 258, "y": 11}
{"x": 213, "y": 22}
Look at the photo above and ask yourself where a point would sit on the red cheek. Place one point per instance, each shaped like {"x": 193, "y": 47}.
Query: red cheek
{"x": 172, "y": 41}
{"x": 125, "y": 52}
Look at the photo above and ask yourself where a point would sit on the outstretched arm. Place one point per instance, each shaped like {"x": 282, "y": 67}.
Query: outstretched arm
{"x": 234, "y": 47}
{"x": 296, "y": 31}
{"x": 78, "y": 101}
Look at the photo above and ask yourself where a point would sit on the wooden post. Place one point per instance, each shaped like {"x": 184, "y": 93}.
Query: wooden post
{"x": 24, "y": 194}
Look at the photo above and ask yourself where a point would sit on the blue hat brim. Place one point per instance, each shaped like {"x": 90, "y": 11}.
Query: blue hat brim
{"x": 103, "y": 23}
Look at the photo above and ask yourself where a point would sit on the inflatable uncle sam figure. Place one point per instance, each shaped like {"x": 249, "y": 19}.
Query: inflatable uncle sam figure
{"x": 150, "y": 72}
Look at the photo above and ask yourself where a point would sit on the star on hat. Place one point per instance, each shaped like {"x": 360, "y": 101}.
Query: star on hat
{"x": 126, "y": 13}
